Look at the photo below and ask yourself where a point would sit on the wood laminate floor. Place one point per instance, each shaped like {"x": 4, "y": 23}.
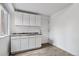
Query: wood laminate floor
{"x": 45, "y": 50}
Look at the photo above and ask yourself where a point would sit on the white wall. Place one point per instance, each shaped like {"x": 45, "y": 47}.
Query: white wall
{"x": 64, "y": 29}
{"x": 45, "y": 28}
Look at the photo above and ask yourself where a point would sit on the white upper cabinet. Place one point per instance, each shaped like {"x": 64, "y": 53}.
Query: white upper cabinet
{"x": 32, "y": 20}
{"x": 38, "y": 20}
{"x": 18, "y": 18}
{"x": 26, "y": 19}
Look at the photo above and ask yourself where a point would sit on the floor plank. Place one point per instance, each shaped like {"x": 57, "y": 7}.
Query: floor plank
{"x": 45, "y": 50}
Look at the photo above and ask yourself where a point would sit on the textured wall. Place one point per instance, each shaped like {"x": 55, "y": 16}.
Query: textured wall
{"x": 64, "y": 29}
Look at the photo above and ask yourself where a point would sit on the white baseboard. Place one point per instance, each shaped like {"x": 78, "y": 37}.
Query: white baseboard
{"x": 63, "y": 49}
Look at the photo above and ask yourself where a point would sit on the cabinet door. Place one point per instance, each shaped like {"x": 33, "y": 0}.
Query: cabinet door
{"x": 32, "y": 20}
{"x": 24, "y": 43}
{"x": 31, "y": 42}
{"x": 15, "y": 44}
{"x": 26, "y": 20}
{"x": 38, "y": 41}
{"x": 18, "y": 18}
{"x": 38, "y": 20}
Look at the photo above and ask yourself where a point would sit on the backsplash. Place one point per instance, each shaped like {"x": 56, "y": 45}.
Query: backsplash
{"x": 25, "y": 29}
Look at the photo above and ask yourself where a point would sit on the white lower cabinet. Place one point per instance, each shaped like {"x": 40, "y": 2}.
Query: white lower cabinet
{"x": 38, "y": 41}
{"x": 31, "y": 42}
{"x": 15, "y": 44}
{"x": 25, "y": 43}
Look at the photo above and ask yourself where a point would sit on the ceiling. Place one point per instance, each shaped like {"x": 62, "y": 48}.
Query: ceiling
{"x": 41, "y": 8}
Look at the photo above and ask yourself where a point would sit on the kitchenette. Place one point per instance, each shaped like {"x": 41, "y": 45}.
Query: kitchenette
{"x": 21, "y": 30}
{"x": 28, "y": 31}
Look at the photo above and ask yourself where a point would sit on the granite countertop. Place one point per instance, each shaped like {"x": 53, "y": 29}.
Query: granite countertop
{"x": 25, "y": 34}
